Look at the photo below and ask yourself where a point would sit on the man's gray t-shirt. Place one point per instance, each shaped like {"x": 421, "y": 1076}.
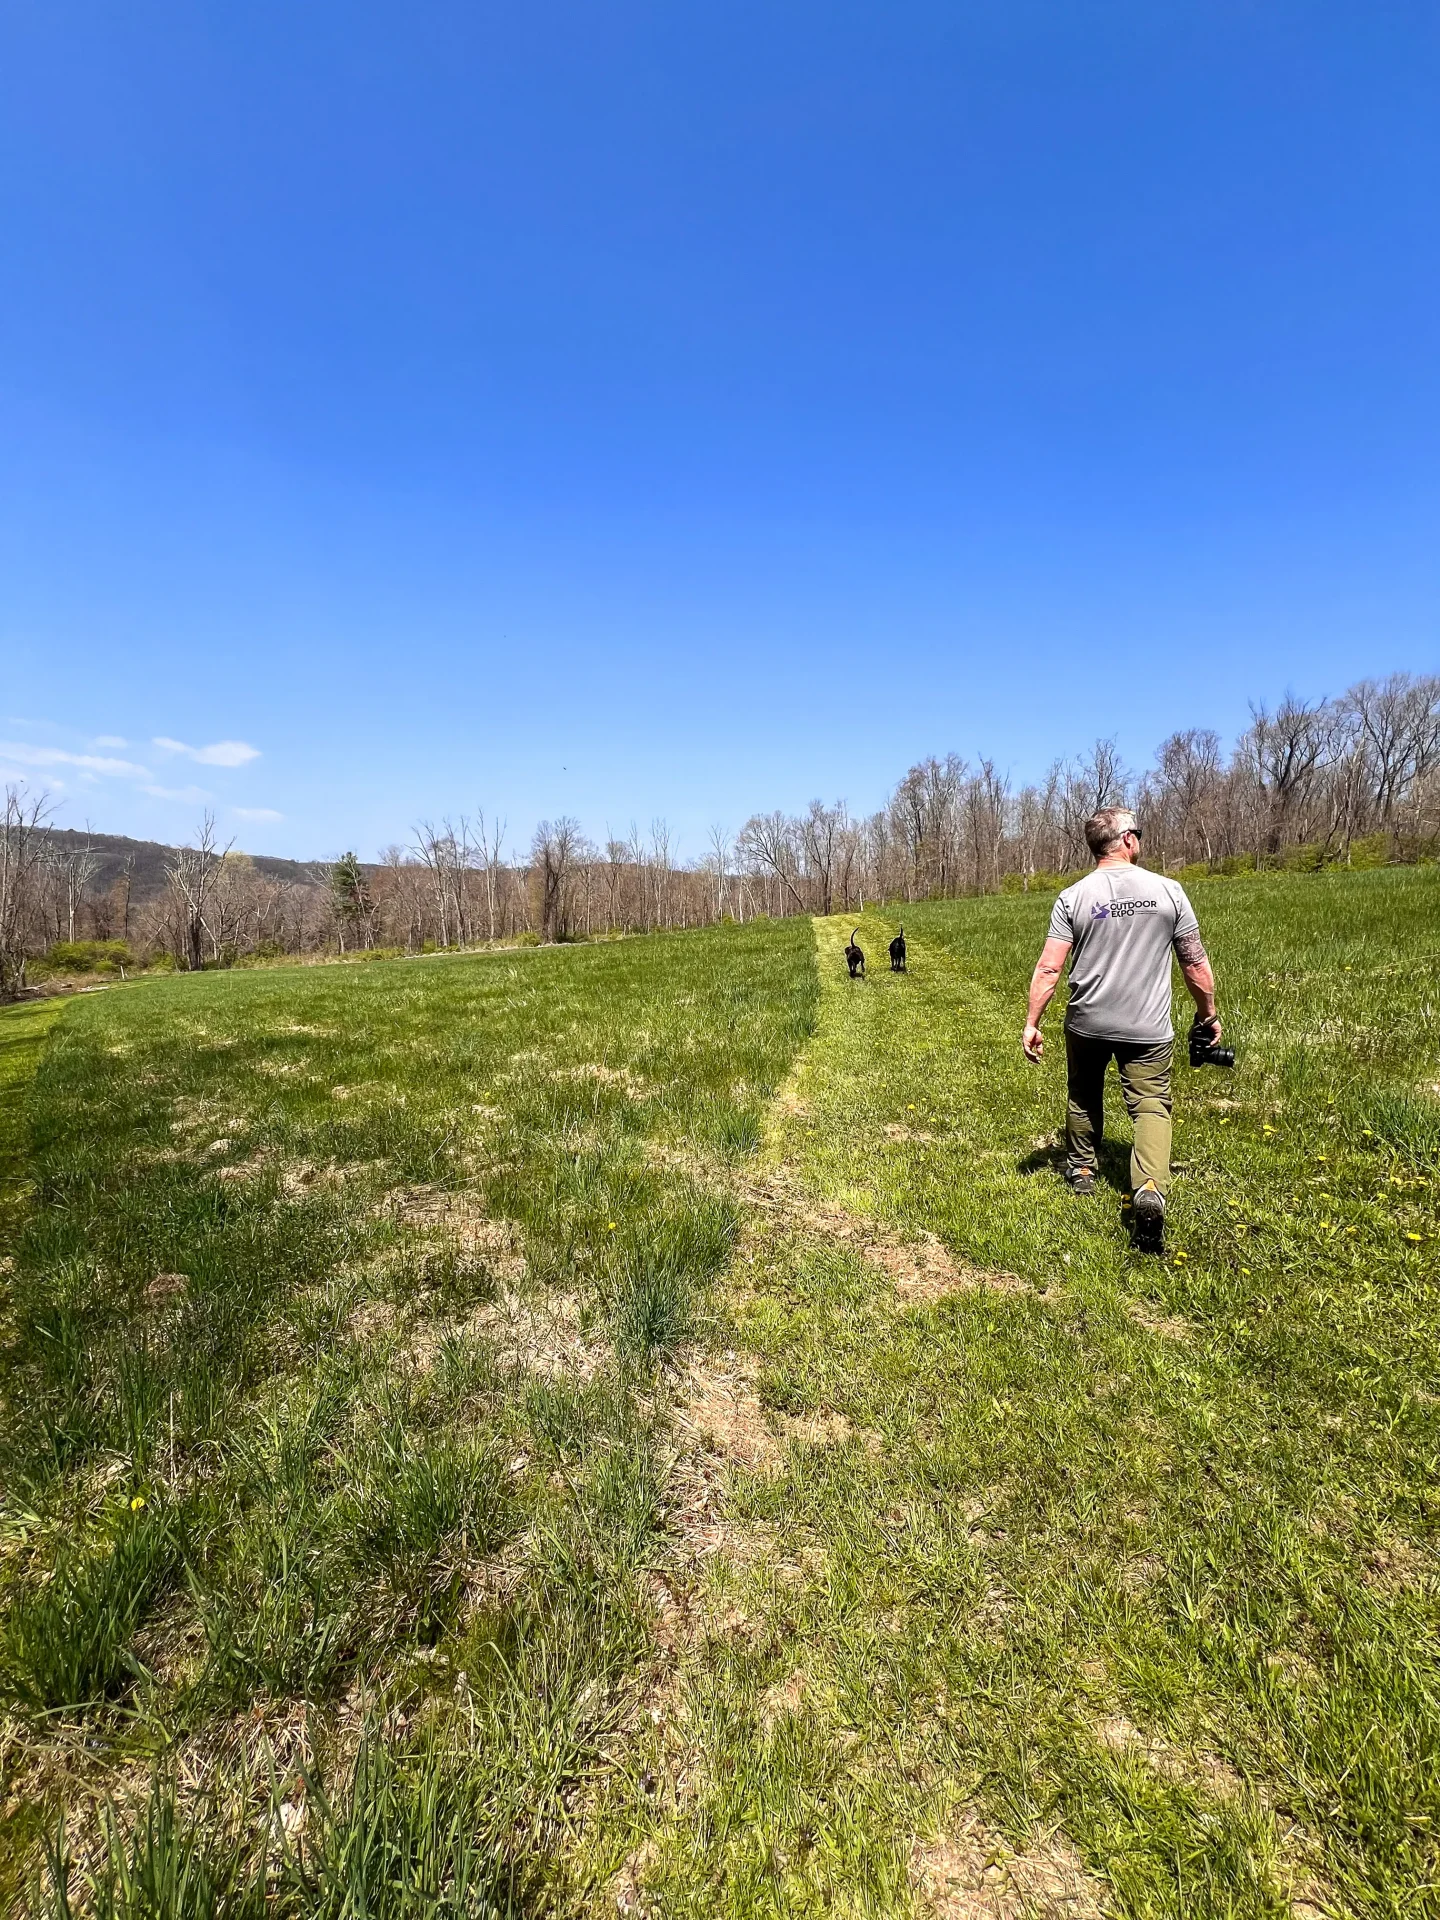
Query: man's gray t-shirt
{"x": 1122, "y": 924}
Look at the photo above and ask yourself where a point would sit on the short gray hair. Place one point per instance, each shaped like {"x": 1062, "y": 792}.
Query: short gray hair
{"x": 1107, "y": 826}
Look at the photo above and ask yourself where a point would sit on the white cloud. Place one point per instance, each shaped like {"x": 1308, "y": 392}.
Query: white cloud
{"x": 191, "y": 795}
{"x": 58, "y": 757}
{"x": 221, "y": 753}
{"x": 256, "y": 813}
{"x": 109, "y": 740}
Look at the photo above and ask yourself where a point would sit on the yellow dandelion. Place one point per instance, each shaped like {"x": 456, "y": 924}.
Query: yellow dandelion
{"x": 137, "y": 1503}
{"x": 1413, "y": 1236}
{"x": 610, "y": 1226}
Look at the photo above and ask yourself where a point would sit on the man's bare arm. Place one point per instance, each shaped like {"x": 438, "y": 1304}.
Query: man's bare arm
{"x": 1043, "y": 982}
{"x": 1195, "y": 965}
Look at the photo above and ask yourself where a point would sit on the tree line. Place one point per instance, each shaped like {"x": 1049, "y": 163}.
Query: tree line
{"x": 1317, "y": 781}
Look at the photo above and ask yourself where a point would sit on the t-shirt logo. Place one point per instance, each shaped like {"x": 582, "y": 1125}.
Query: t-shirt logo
{"x": 1121, "y": 909}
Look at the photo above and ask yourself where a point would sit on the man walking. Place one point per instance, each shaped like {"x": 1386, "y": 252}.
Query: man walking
{"x": 1118, "y": 926}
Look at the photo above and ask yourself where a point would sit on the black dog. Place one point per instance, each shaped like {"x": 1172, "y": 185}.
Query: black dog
{"x": 855, "y": 959}
{"x": 897, "y": 952}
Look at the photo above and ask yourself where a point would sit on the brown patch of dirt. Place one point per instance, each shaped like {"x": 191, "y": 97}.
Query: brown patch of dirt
{"x": 541, "y": 1336}
{"x": 787, "y": 1696}
{"x": 632, "y": 1083}
{"x": 165, "y": 1286}
{"x": 1200, "y": 1769}
{"x": 1169, "y": 1326}
{"x": 242, "y": 1169}
{"x": 720, "y": 1409}
{"x": 896, "y": 1132}
{"x": 628, "y": 1885}
{"x": 372, "y": 1317}
{"x": 459, "y": 1218}
{"x": 922, "y": 1268}
{"x": 1140, "y": 1572}
{"x": 925, "y": 1271}
{"x": 975, "y": 1875}
{"x": 1399, "y": 1567}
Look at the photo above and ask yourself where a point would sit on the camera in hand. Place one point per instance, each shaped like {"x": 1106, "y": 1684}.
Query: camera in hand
{"x": 1203, "y": 1050}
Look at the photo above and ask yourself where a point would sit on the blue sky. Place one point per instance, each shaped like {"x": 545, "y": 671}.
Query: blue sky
{"x": 689, "y": 409}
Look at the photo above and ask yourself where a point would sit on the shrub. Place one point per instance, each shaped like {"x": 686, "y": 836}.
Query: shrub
{"x": 84, "y": 956}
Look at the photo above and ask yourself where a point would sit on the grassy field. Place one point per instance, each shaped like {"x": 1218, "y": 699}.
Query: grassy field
{"x": 645, "y": 1429}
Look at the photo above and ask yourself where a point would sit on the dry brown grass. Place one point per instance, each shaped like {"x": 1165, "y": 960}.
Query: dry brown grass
{"x": 972, "y": 1874}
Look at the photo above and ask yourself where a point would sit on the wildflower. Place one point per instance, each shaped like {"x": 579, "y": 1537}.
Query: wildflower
{"x": 610, "y": 1226}
{"x": 1246, "y": 1272}
{"x": 1267, "y": 1128}
{"x": 1413, "y": 1236}
{"x": 137, "y": 1503}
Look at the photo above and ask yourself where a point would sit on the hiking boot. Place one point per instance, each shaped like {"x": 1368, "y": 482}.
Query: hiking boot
{"x": 1080, "y": 1180}
{"x": 1147, "y": 1215}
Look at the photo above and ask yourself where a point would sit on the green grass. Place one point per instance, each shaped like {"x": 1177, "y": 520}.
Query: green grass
{"x": 383, "y": 1562}
{"x": 1143, "y": 1552}
{"x": 23, "y": 1032}
{"x": 331, "y": 1346}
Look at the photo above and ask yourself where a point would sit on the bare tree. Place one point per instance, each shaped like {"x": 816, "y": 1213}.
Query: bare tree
{"x": 1181, "y": 798}
{"x": 74, "y": 868}
{"x": 1399, "y": 721}
{"x": 489, "y": 841}
{"x": 820, "y": 833}
{"x": 718, "y": 863}
{"x": 661, "y": 866}
{"x": 192, "y": 875}
{"x": 556, "y": 851}
{"x": 22, "y": 824}
{"x": 768, "y": 842}
{"x": 1284, "y": 749}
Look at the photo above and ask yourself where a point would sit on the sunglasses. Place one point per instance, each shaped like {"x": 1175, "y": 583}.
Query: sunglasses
{"x": 1138, "y": 832}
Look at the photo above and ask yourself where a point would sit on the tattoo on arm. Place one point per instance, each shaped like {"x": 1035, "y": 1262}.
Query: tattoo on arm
{"x": 1190, "y": 951}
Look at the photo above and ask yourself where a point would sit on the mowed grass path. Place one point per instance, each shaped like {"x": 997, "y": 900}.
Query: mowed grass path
{"x": 332, "y": 1442}
{"x": 1099, "y": 1585}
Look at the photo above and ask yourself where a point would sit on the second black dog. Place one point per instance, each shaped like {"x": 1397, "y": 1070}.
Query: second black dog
{"x": 855, "y": 959}
{"x": 897, "y": 952}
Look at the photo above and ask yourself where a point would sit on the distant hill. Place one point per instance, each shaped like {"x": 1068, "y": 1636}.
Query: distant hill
{"x": 150, "y": 857}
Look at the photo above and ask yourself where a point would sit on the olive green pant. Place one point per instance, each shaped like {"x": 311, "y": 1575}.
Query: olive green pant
{"x": 1145, "y": 1085}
